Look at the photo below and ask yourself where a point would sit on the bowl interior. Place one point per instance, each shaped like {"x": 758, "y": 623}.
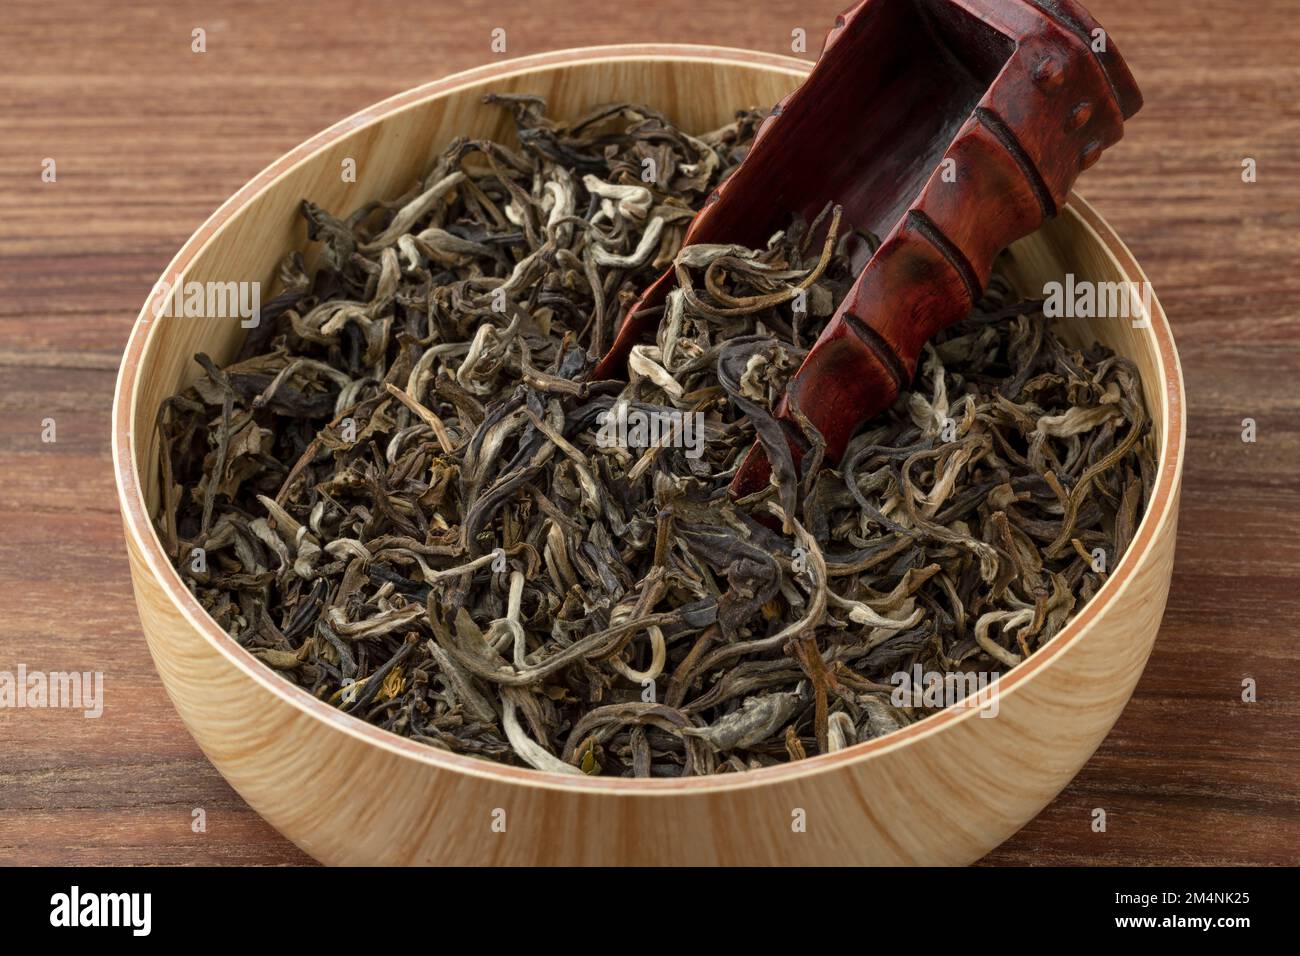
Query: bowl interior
{"x": 393, "y": 143}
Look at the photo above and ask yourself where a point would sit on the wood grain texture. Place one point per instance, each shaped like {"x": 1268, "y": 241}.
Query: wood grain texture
{"x": 150, "y": 138}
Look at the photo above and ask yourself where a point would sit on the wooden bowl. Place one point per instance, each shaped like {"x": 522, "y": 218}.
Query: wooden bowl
{"x": 945, "y": 790}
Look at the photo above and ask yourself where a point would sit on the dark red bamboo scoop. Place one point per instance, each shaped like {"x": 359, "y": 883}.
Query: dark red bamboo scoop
{"x": 1022, "y": 96}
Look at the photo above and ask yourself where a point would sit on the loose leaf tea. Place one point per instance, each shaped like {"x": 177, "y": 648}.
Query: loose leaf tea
{"x": 406, "y": 496}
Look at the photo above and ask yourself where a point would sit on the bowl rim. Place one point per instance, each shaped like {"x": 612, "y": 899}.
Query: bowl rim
{"x": 140, "y": 531}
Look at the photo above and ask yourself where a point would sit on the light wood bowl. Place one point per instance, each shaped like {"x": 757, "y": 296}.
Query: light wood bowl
{"x": 945, "y": 790}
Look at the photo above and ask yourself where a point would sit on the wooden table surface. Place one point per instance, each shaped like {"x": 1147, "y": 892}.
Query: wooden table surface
{"x": 149, "y": 137}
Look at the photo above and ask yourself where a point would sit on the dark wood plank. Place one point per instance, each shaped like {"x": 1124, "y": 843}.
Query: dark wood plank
{"x": 149, "y": 138}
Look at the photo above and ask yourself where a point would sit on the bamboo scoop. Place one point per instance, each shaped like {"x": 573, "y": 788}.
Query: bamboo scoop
{"x": 1020, "y": 95}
